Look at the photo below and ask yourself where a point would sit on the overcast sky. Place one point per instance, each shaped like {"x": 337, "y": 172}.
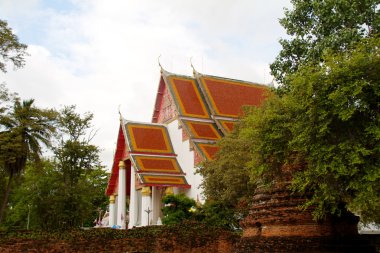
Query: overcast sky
{"x": 102, "y": 54}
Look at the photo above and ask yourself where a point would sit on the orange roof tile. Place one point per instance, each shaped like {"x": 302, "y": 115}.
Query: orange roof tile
{"x": 207, "y": 150}
{"x": 164, "y": 180}
{"x": 148, "y": 138}
{"x": 156, "y": 164}
{"x": 226, "y": 97}
{"x": 226, "y": 126}
{"x": 152, "y": 154}
{"x": 187, "y": 96}
{"x": 202, "y": 130}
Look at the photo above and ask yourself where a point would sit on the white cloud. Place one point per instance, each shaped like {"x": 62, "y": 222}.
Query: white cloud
{"x": 103, "y": 54}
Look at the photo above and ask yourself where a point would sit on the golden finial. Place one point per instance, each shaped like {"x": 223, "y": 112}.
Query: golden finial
{"x": 192, "y": 66}
{"x": 120, "y": 116}
{"x": 159, "y": 63}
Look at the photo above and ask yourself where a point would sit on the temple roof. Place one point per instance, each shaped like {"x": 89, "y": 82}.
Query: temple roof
{"x": 226, "y": 97}
{"x": 208, "y": 106}
{"x": 152, "y": 154}
{"x": 147, "y": 138}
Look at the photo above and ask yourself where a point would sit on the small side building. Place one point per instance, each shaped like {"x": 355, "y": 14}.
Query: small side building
{"x": 153, "y": 159}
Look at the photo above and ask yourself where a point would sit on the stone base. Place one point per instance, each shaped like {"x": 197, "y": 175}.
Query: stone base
{"x": 277, "y": 224}
{"x": 276, "y": 213}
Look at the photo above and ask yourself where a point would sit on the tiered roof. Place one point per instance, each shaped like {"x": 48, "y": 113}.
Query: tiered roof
{"x": 207, "y": 108}
{"x": 152, "y": 154}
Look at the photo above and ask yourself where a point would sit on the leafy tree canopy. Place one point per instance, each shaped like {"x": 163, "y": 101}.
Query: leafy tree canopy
{"x": 325, "y": 129}
{"x": 315, "y": 26}
{"x": 23, "y": 129}
{"x": 10, "y": 48}
{"x": 225, "y": 178}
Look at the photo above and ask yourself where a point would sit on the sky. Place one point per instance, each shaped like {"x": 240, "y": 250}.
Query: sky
{"x": 102, "y": 55}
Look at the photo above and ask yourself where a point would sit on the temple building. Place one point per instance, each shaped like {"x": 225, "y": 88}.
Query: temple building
{"x": 153, "y": 159}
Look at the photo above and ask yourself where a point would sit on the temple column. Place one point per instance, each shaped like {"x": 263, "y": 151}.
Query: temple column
{"x": 156, "y": 205}
{"x": 121, "y": 196}
{"x": 146, "y": 210}
{"x": 112, "y": 213}
{"x": 132, "y": 202}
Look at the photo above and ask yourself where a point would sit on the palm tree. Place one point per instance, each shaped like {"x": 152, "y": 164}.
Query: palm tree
{"x": 22, "y": 131}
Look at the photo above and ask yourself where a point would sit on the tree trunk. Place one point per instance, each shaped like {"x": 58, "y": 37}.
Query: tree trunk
{"x": 5, "y": 201}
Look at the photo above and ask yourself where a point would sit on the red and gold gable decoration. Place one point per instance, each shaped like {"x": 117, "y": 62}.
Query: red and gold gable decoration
{"x": 120, "y": 154}
{"x": 226, "y": 97}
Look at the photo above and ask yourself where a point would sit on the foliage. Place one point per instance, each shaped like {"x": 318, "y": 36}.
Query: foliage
{"x": 10, "y": 48}
{"x": 218, "y": 214}
{"x": 78, "y": 163}
{"x": 24, "y": 128}
{"x": 338, "y": 130}
{"x": 177, "y": 208}
{"x": 316, "y": 26}
{"x": 225, "y": 178}
{"x": 65, "y": 191}
{"x": 326, "y": 130}
{"x": 41, "y": 193}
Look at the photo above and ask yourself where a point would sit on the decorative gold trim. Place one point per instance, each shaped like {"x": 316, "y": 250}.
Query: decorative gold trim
{"x": 112, "y": 199}
{"x": 169, "y": 191}
{"x": 121, "y": 165}
{"x": 145, "y": 191}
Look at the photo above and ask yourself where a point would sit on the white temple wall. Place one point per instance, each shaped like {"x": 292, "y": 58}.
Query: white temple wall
{"x": 186, "y": 160}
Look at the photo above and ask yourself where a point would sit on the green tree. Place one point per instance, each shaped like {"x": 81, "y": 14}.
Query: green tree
{"x": 225, "y": 178}
{"x": 23, "y": 130}
{"x": 10, "y": 48}
{"x": 78, "y": 162}
{"x": 337, "y": 130}
{"x": 177, "y": 208}
{"x": 315, "y": 26}
{"x": 40, "y": 196}
{"x": 326, "y": 129}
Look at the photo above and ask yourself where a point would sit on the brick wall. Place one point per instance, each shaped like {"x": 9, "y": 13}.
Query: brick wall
{"x": 157, "y": 245}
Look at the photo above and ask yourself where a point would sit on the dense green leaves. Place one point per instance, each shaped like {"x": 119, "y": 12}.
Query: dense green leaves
{"x": 338, "y": 129}
{"x": 80, "y": 171}
{"x": 23, "y": 129}
{"x": 226, "y": 178}
{"x": 316, "y": 26}
{"x": 177, "y": 208}
{"x": 323, "y": 133}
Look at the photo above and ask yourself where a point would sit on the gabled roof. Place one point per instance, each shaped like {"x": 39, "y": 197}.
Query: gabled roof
{"x": 208, "y": 106}
{"x": 148, "y": 138}
{"x": 187, "y": 96}
{"x": 152, "y": 154}
{"x": 202, "y": 130}
{"x": 226, "y": 97}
